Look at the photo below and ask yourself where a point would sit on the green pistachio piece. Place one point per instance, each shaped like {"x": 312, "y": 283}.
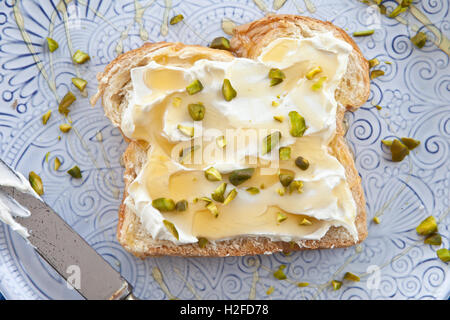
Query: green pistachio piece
{"x": 228, "y": 91}
{"x": 80, "y": 57}
{"x": 443, "y": 254}
{"x": 176, "y": 102}
{"x": 319, "y": 83}
{"x": 230, "y": 197}
{"x": 52, "y": 44}
{"x": 278, "y": 118}
{"x": 46, "y": 117}
{"x": 65, "y": 127}
{"x": 399, "y": 151}
{"x": 419, "y": 39}
{"x": 176, "y": 19}
{"x": 252, "y": 190}
{"x": 410, "y": 143}
{"x": 57, "y": 164}
{"x": 305, "y": 222}
{"x": 36, "y": 183}
{"x": 399, "y": 9}
{"x": 285, "y": 153}
{"x": 270, "y": 290}
{"x": 75, "y": 172}
{"x": 298, "y": 125}
{"x": 202, "y": 242}
{"x": 65, "y": 103}
{"x": 281, "y": 191}
{"x": 296, "y": 185}
{"x": 279, "y": 274}
{"x": 46, "y": 156}
{"x": 212, "y": 174}
{"x": 196, "y": 111}
{"x": 427, "y": 226}
{"x": 351, "y": 277}
{"x": 281, "y": 217}
{"x": 79, "y": 83}
{"x": 213, "y": 209}
{"x": 164, "y": 204}
{"x": 240, "y": 176}
{"x": 373, "y": 62}
{"x": 336, "y": 284}
{"x": 313, "y": 72}
{"x": 376, "y": 220}
{"x": 434, "y": 239}
{"x": 271, "y": 141}
{"x": 276, "y": 76}
{"x": 221, "y": 142}
{"x": 187, "y": 131}
{"x": 195, "y": 87}
{"x": 286, "y": 178}
{"x": 378, "y": 107}
{"x": 302, "y": 284}
{"x": 220, "y": 43}
{"x": 363, "y": 33}
{"x": 376, "y": 73}
{"x": 171, "y": 227}
{"x": 181, "y": 205}
{"x": 302, "y": 163}
{"x": 387, "y": 143}
{"x": 218, "y": 194}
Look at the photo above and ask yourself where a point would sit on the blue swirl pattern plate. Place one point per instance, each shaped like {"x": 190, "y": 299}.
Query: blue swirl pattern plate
{"x": 393, "y": 262}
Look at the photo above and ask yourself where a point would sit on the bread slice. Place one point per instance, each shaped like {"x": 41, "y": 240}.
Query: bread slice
{"x": 248, "y": 41}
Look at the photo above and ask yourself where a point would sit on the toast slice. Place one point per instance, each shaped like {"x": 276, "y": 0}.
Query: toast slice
{"x": 248, "y": 41}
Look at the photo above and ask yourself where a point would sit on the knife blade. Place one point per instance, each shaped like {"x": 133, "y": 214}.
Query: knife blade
{"x": 65, "y": 250}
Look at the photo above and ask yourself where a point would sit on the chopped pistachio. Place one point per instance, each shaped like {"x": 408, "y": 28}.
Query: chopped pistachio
{"x": 46, "y": 156}
{"x": 427, "y": 226}
{"x": 399, "y": 151}
{"x": 296, "y": 185}
{"x": 164, "y": 204}
{"x": 176, "y": 19}
{"x": 305, "y": 222}
{"x": 202, "y": 242}
{"x": 376, "y": 220}
{"x": 181, "y": 205}
{"x": 336, "y": 284}
{"x": 220, "y": 43}
{"x": 302, "y": 163}
{"x": 65, "y": 103}
{"x": 79, "y": 83}
{"x": 252, "y": 190}
{"x": 387, "y": 143}
{"x": 382, "y": 8}
{"x": 313, "y": 72}
{"x": 65, "y": 127}
{"x": 443, "y": 254}
{"x": 373, "y": 62}
{"x": 279, "y": 274}
{"x": 212, "y": 174}
{"x": 388, "y": 62}
{"x": 57, "y": 164}
{"x": 318, "y": 84}
{"x": 378, "y": 107}
{"x": 276, "y": 76}
{"x": 363, "y": 33}
{"x": 46, "y": 116}
{"x": 419, "y": 39}
{"x": 176, "y": 102}
{"x": 36, "y": 183}
{"x": 410, "y": 143}
{"x": 376, "y": 73}
{"x": 196, "y": 111}
{"x": 302, "y": 284}
{"x": 221, "y": 141}
{"x": 218, "y": 194}
{"x": 80, "y": 57}
{"x": 213, "y": 209}
{"x": 352, "y": 277}
{"x": 187, "y": 131}
{"x": 171, "y": 227}
{"x": 270, "y": 290}
{"x": 281, "y": 217}
{"x": 286, "y": 177}
{"x": 52, "y": 44}
{"x": 230, "y": 197}
{"x": 285, "y": 153}
{"x": 75, "y": 172}
{"x": 281, "y": 191}
{"x": 195, "y": 87}
{"x": 275, "y": 103}
{"x": 271, "y": 141}
{"x": 278, "y": 118}
{"x": 434, "y": 239}
{"x": 399, "y": 9}
{"x": 228, "y": 91}
{"x": 206, "y": 199}
{"x": 240, "y": 176}
{"x": 298, "y": 125}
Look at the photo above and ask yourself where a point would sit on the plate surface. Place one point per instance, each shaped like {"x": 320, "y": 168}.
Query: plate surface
{"x": 414, "y": 94}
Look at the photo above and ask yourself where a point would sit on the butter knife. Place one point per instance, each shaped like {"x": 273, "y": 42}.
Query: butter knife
{"x": 64, "y": 249}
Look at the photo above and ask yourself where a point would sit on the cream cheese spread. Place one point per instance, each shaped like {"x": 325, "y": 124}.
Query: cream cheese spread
{"x": 176, "y": 162}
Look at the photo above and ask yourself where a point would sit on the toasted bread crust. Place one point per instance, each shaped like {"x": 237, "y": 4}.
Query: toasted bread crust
{"x": 247, "y": 42}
